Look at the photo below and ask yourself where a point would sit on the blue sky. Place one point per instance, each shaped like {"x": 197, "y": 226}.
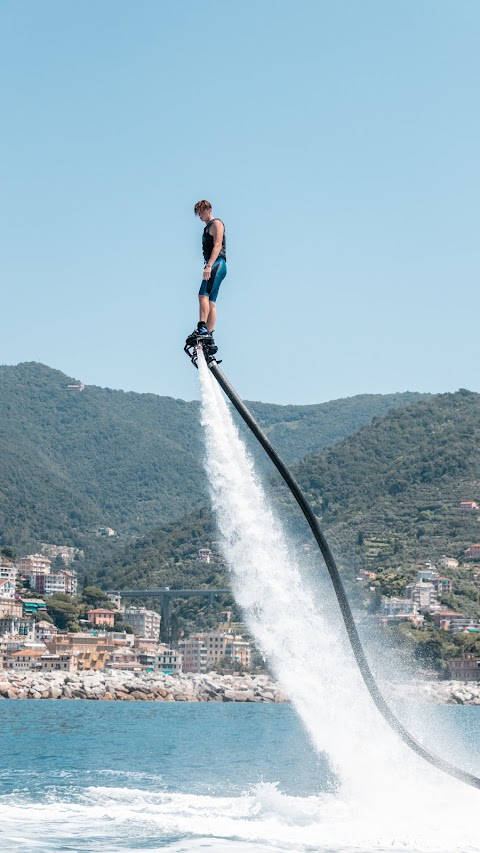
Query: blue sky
{"x": 339, "y": 141}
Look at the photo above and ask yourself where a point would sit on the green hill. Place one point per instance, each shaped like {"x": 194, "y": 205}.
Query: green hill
{"x": 389, "y": 496}
{"x": 298, "y": 431}
{"x": 71, "y": 461}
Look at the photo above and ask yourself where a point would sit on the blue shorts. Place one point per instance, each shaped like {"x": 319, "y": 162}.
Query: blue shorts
{"x": 211, "y": 287}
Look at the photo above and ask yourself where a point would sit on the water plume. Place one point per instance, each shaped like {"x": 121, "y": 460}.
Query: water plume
{"x": 301, "y": 636}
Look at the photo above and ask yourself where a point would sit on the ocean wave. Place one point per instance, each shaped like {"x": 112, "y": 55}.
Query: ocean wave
{"x": 263, "y": 819}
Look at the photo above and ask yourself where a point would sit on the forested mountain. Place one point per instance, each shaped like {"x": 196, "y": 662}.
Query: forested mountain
{"x": 71, "y": 461}
{"x": 386, "y": 485}
{"x": 390, "y": 494}
{"x": 167, "y": 556}
{"x": 387, "y": 496}
{"x": 298, "y": 431}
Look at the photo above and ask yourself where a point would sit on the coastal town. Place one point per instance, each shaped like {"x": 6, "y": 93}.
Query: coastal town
{"x": 421, "y": 602}
{"x": 29, "y": 638}
{"x": 117, "y": 637}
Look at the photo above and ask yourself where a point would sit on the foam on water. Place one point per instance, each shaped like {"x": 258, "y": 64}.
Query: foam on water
{"x": 306, "y": 646}
{"x": 120, "y": 819}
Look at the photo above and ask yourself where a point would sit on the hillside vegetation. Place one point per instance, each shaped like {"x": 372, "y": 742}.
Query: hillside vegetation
{"x": 388, "y": 498}
{"x": 72, "y": 461}
{"x": 298, "y": 431}
{"x": 390, "y": 495}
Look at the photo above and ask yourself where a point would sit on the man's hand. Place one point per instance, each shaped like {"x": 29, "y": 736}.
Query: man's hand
{"x": 207, "y": 271}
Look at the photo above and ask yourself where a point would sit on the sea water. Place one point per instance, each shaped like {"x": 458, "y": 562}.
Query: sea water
{"x": 79, "y": 775}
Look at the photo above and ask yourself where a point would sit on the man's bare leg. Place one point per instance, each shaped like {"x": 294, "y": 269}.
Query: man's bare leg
{"x": 204, "y": 308}
{"x": 208, "y": 312}
{"x": 212, "y": 316}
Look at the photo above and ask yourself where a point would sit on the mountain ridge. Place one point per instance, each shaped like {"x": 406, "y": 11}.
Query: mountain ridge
{"x": 71, "y": 461}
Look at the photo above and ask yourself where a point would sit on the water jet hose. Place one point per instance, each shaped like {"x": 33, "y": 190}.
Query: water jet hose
{"x": 362, "y": 663}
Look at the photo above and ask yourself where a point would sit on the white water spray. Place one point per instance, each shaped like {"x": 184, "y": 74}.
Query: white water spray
{"x": 305, "y": 645}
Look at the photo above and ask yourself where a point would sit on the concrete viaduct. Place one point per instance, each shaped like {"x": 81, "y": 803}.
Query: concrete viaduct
{"x": 165, "y": 594}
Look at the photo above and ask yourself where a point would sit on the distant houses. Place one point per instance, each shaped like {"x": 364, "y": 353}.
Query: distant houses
{"x": 28, "y": 641}
{"x": 421, "y": 599}
{"x": 101, "y": 616}
{"x": 465, "y": 668}
{"x": 36, "y": 569}
{"x": 473, "y": 552}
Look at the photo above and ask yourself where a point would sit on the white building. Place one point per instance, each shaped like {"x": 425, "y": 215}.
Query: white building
{"x": 448, "y": 562}
{"x": 170, "y": 661}
{"x": 53, "y": 663}
{"x": 9, "y": 572}
{"x": 393, "y": 606}
{"x": 422, "y": 594}
{"x": 426, "y": 575}
{"x": 116, "y": 599}
{"x": 161, "y": 659}
{"x": 145, "y": 623}
{"x": 44, "y": 631}
{"x": 48, "y": 584}
{"x": 8, "y": 588}
{"x": 63, "y": 581}
{"x": 16, "y": 626}
{"x": 204, "y": 555}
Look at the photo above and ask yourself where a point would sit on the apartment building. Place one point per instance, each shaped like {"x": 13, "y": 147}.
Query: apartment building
{"x": 194, "y": 654}
{"x": 8, "y": 588}
{"x": 34, "y": 564}
{"x": 423, "y": 594}
{"x": 10, "y": 608}
{"x": 162, "y": 660}
{"x": 9, "y": 572}
{"x": 229, "y": 649}
{"x": 64, "y": 581}
{"x": 44, "y": 631}
{"x": 465, "y": 668}
{"x": 145, "y": 623}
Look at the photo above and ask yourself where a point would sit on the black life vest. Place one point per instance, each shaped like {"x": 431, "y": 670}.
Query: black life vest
{"x": 207, "y": 242}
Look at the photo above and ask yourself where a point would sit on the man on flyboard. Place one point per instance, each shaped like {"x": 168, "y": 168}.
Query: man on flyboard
{"x": 214, "y": 271}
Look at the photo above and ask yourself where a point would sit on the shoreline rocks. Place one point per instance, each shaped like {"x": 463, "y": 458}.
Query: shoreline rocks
{"x": 127, "y": 686}
{"x": 438, "y": 692}
{"x": 121, "y": 685}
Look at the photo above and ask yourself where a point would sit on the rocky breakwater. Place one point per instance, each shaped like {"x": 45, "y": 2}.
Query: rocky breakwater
{"x": 438, "y": 692}
{"x": 138, "y": 686}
